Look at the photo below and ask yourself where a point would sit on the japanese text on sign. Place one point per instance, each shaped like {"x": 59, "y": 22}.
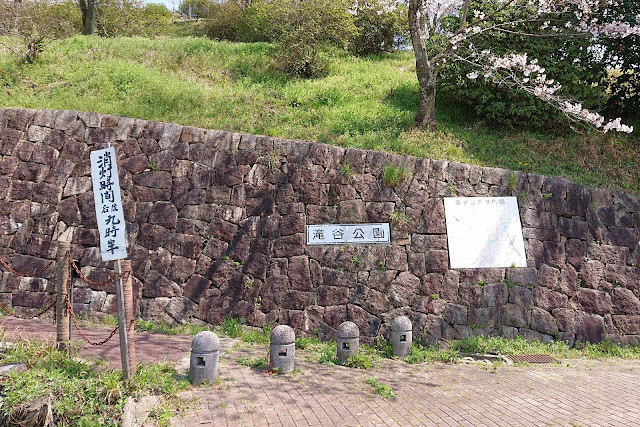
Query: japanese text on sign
{"x": 484, "y": 232}
{"x": 332, "y": 234}
{"x": 106, "y": 193}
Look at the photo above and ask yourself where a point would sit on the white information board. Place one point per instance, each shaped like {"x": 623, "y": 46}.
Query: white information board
{"x": 359, "y": 234}
{"x": 106, "y": 193}
{"x": 484, "y": 232}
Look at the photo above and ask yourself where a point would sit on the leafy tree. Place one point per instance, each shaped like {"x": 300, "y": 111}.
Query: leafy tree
{"x": 195, "y": 8}
{"x": 381, "y": 24}
{"x": 623, "y": 58}
{"x": 573, "y": 58}
{"x": 302, "y": 29}
{"x": 224, "y": 21}
{"x": 447, "y": 30}
{"x": 88, "y": 9}
{"x": 131, "y": 18}
{"x": 36, "y": 23}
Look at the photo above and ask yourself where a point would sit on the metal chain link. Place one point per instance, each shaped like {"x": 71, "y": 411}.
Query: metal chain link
{"x": 5, "y": 265}
{"x": 85, "y": 278}
{"x": 12, "y": 313}
{"x": 84, "y": 337}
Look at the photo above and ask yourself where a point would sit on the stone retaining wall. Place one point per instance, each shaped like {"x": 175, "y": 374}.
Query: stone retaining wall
{"x": 216, "y": 227}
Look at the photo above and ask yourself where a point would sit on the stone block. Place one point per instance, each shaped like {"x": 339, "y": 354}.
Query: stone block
{"x": 573, "y": 228}
{"x": 578, "y": 199}
{"x": 494, "y": 294}
{"x": 590, "y": 328}
{"x": 514, "y": 315}
{"x": 548, "y": 300}
{"x": 157, "y": 285}
{"x": 554, "y": 254}
{"x": 469, "y": 294}
{"x": 521, "y": 296}
{"x": 436, "y": 261}
{"x": 625, "y": 301}
{"x": 623, "y": 236}
{"x": 566, "y": 319}
{"x": 627, "y": 324}
{"x": 543, "y": 321}
{"x": 403, "y": 288}
{"x": 298, "y": 271}
{"x": 485, "y": 317}
{"x": 594, "y": 301}
{"x": 288, "y": 246}
{"x": 548, "y": 276}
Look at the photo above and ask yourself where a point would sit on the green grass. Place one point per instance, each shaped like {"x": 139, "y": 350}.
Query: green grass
{"x": 519, "y": 345}
{"x": 81, "y": 393}
{"x": 237, "y": 87}
{"x": 381, "y": 389}
{"x": 167, "y": 329}
{"x": 252, "y": 362}
{"x": 232, "y": 327}
{"x": 421, "y": 354}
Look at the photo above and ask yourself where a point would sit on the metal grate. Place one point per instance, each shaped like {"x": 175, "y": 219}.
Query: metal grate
{"x": 532, "y": 358}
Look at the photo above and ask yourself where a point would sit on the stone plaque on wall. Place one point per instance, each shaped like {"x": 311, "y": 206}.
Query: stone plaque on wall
{"x": 354, "y": 234}
{"x": 484, "y": 232}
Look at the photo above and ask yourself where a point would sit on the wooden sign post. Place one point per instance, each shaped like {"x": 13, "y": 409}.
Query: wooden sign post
{"x": 113, "y": 245}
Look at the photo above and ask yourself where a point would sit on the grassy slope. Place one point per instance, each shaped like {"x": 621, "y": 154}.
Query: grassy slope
{"x": 361, "y": 102}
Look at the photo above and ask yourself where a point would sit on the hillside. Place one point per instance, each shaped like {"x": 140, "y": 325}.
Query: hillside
{"x": 361, "y": 102}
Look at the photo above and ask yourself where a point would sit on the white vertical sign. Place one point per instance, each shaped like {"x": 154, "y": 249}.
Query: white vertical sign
{"x": 484, "y": 232}
{"x": 106, "y": 193}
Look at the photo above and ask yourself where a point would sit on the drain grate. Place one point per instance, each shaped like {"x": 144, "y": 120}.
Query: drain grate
{"x": 532, "y": 358}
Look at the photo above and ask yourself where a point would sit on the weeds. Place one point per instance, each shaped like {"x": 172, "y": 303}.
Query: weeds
{"x": 232, "y": 327}
{"x": 347, "y": 172}
{"x": 163, "y": 328}
{"x": 252, "y": 362}
{"x": 381, "y": 389}
{"x": 83, "y": 393}
{"x": 399, "y": 216}
{"x": 421, "y": 354}
{"x": 394, "y": 175}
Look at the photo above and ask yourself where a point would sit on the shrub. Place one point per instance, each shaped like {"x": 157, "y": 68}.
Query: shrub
{"x": 224, "y": 22}
{"x": 36, "y": 23}
{"x": 393, "y": 175}
{"x": 382, "y": 26}
{"x": 302, "y": 29}
{"x": 131, "y": 18}
{"x": 195, "y": 8}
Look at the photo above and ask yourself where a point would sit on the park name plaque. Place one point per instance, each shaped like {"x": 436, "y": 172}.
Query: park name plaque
{"x": 353, "y": 234}
{"x": 484, "y": 232}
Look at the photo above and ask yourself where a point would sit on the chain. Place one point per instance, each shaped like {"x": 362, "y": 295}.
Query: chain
{"x": 85, "y": 278}
{"x": 5, "y": 265}
{"x": 10, "y": 312}
{"x": 84, "y": 337}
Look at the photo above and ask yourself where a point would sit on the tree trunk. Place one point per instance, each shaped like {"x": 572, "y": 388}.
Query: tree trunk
{"x": 88, "y": 9}
{"x": 427, "y": 110}
{"x": 425, "y": 70}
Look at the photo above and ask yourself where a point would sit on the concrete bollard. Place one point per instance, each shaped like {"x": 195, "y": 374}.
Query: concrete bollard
{"x": 401, "y": 336}
{"x": 348, "y": 341}
{"x": 205, "y": 349}
{"x": 282, "y": 349}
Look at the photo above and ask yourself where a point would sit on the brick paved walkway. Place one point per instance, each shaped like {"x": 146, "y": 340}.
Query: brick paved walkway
{"x": 575, "y": 393}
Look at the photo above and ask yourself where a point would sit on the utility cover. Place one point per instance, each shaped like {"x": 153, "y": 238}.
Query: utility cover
{"x": 484, "y": 232}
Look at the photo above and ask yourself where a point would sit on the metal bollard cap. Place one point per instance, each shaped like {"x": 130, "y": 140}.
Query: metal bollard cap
{"x": 401, "y": 323}
{"x": 282, "y": 334}
{"x": 348, "y": 330}
{"x": 205, "y": 342}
